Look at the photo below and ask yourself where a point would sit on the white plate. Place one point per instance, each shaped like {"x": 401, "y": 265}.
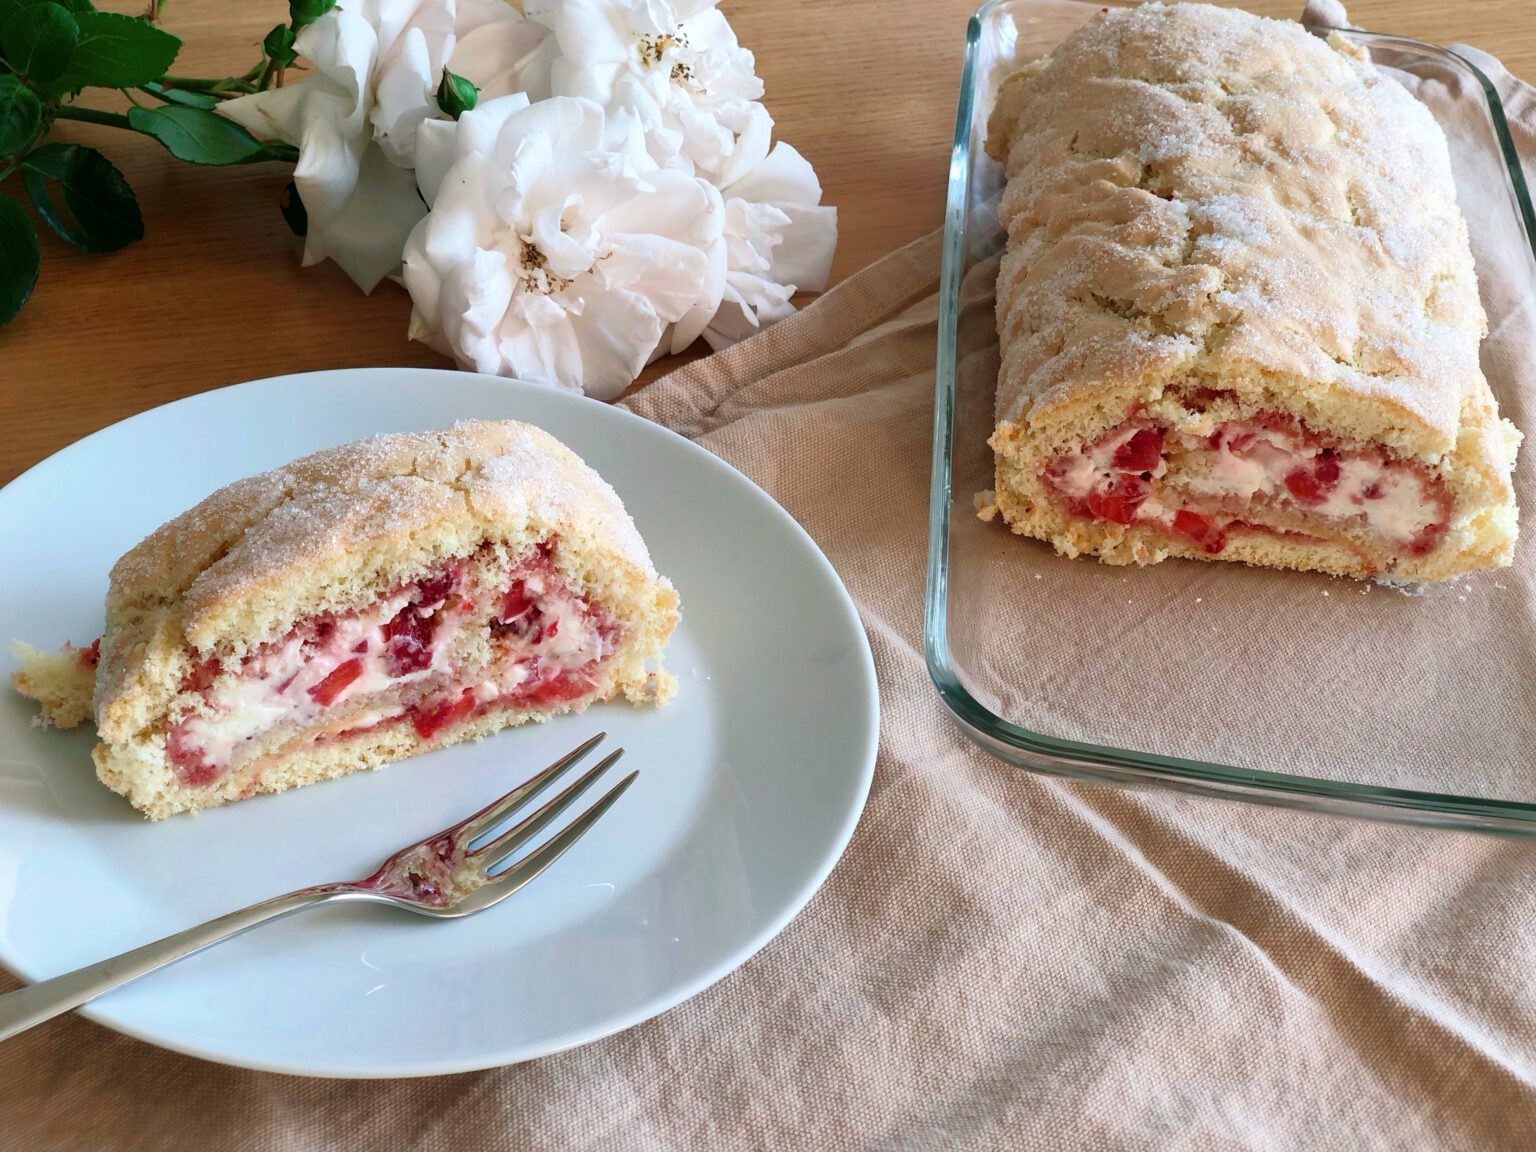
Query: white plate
{"x": 751, "y": 780}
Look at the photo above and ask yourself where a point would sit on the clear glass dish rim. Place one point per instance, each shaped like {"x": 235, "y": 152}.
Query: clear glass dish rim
{"x": 1038, "y": 752}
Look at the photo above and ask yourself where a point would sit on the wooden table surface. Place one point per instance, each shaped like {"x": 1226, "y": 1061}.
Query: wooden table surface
{"x": 214, "y": 293}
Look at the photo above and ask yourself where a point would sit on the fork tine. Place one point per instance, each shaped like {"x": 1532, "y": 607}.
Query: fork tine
{"x": 494, "y": 812}
{"x": 531, "y": 865}
{"x": 535, "y": 822}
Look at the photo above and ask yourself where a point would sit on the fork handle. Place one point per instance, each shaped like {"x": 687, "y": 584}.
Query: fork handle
{"x": 26, "y": 1007}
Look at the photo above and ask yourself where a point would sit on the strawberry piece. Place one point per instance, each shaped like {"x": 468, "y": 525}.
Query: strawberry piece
{"x": 1304, "y": 488}
{"x": 326, "y": 692}
{"x": 436, "y": 589}
{"x": 201, "y": 678}
{"x": 559, "y": 689}
{"x": 408, "y": 641}
{"x": 432, "y": 719}
{"x": 1429, "y": 538}
{"x": 1325, "y": 466}
{"x": 1141, "y": 453}
{"x": 1372, "y": 491}
{"x": 1237, "y": 442}
{"x": 516, "y": 601}
{"x": 1311, "y": 485}
{"x": 1117, "y": 497}
{"x": 187, "y": 760}
{"x": 1197, "y": 528}
{"x": 90, "y": 657}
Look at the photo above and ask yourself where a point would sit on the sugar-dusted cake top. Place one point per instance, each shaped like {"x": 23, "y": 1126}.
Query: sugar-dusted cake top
{"x": 1198, "y": 191}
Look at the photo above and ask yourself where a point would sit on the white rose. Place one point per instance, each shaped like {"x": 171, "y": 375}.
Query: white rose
{"x": 673, "y": 64}
{"x": 550, "y": 252}
{"x": 779, "y": 241}
{"x": 377, "y": 65}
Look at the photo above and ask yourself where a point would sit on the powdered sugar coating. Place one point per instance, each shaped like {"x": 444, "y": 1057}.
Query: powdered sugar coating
{"x": 1196, "y": 191}
{"x": 384, "y": 486}
{"x": 1211, "y": 216}
{"x": 333, "y": 529}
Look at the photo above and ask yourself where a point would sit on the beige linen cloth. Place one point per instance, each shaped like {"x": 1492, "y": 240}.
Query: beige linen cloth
{"x": 1001, "y": 960}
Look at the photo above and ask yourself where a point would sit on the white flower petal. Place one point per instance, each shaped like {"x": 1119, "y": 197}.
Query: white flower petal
{"x": 425, "y": 285}
{"x": 503, "y": 57}
{"x": 343, "y": 47}
{"x": 576, "y": 124}
{"x": 327, "y": 169}
{"x": 731, "y": 325}
{"x": 588, "y": 300}
{"x": 434, "y": 155}
{"x": 589, "y": 31}
{"x": 479, "y": 128}
{"x": 617, "y": 332}
{"x": 804, "y": 256}
{"x": 691, "y": 324}
{"x": 404, "y": 94}
{"x": 376, "y": 68}
{"x": 689, "y": 9}
{"x": 669, "y": 274}
{"x": 462, "y": 215}
{"x": 783, "y": 177}
{"x": 283, "y": 112}
{"x": 368, "y": 232}
{"x": 751, "y": 146}
{"x": 475, "y": 296}
{"x": 538, "y": 343}
{"x": 679, "y": 206}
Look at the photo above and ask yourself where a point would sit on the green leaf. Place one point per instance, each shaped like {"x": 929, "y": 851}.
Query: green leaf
{"x": 76, "y": 5}
{"x": 302, "y": 12}
{"x": 117, "y": 52}
{"x": 195, "y": 135}
{"x": 19, "y": 258}
{"x": 37, "y": 40}
{"x": 278, "y": 46}
{"x": 105, "y": 210}
{"x": 456, "y": 95}
{"x": 21, "y": 113}
{"x": 294, "y": 211}
{"x": 181, "y": 96}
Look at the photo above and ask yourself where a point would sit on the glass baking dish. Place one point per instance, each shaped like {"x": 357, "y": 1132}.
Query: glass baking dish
{"x": 1287, "y": 688}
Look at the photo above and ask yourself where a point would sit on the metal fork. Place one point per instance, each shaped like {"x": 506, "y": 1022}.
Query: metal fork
{"x": 443, "y": 876}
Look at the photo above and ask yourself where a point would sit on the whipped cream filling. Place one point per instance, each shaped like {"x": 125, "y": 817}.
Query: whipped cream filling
{"x": 1244, "y": 467}
{"x": 279, "y": 686}
{"x": 298, "y": 683}
{"x": 563, "y": 639}
{"x": 1392, "y": 500}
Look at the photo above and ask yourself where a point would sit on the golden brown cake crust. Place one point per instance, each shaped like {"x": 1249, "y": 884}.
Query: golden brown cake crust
{"x": 224, "y": 575}
{"x": 1199, "y": 197}
{"x": 61, "y": 683}
{"x": 336, "y": 532}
